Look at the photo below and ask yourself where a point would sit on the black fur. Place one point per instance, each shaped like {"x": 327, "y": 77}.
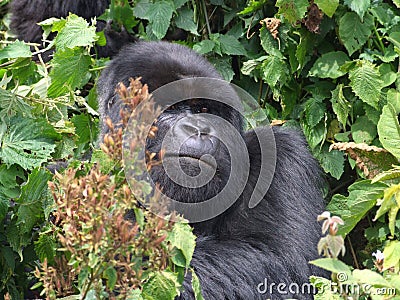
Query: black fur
{"x": 242, "y": 247}
{"x": 25, "y": 14}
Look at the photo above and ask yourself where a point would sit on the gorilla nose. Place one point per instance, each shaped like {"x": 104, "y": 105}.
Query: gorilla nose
{"x": 198, "y": 134}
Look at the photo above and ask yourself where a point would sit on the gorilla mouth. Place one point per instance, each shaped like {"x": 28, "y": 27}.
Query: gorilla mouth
{"x": 193, "y": 159}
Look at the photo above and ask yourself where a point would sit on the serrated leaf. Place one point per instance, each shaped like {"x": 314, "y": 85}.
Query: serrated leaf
{"x": 363, "y": 130}
{"x": 327, "y": 6}
{"x": 185, "y": 20}
{"x": 270, "y": 45}
{"x": 159, "y": 14}
{"x": 231, "y": 46}
{"x": 161, "y": 285}
{"x": 30, "y": 202}
{"x": 314, "y": 135}
{"x": 11, "y": 104}
{"x": 292, "y": 10}
{"x": 332, "y": 162}
{"x": 182, "y": 238}
{"x": 358, "y": 6}
{"x": 15, "y": 50}
{"x": 365, "y": 82}
{"x": 389, "y": 129}
{"x": 85, "y": 128}
{"x": 45, "y": 248}
{"x": 141, "y": 8}
{"x": 224, "y": 67}
{"x": 328, "y": 65}
{"x": 304, "y": 48}
{"x": 75, "y": 33}
{"x": 362, "y": 197}
{"x": 340, "y": 105}
{"x": 353, "y": 32}
{"x": 70, "y": 71}
{"x": 204, "y": 47}
{"x": 314, "y": 111}
{"x": 27, "y": 142}
{"x": 9, "y": 186}
{"x": 4, "y": 205}
{"x": 274, "y": 70}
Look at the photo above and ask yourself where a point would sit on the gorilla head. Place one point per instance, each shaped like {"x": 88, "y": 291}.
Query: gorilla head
{"x": 189, "y": 131}
{"x": 242, "y": 243}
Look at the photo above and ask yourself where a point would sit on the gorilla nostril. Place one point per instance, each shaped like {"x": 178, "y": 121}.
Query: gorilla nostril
{"x": 193, "y": 125}
{"x": 190, "y": 129}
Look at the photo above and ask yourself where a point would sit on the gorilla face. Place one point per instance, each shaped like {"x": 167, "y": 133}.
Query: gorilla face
{"x": 188, "y": 142}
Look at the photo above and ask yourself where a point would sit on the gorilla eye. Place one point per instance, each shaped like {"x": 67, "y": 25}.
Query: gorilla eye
{"x": 204, "y": 109}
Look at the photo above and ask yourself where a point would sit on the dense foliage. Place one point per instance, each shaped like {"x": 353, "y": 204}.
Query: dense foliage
{"x": 330, "y": 67}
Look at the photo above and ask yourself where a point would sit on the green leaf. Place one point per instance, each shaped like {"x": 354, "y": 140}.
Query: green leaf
{"x": 85, "y": 128}
{"x": 231, "y": 46}
{"x": 363, "y": 130}
{"x": 224, "y": 67}
{"x": 362, "y": 197}
{"x": 159, "y": 14}
{"x": 292, "y": 10}
{"x": 45, "y": 248}
{"x": 366, "y": 82}
{"x": 314, "y": 135}
{"x": 196, "y": 287}
{"x": 185, "y": 20}
{"x": 328, "y": 65}
{"x": 274, "y": 71}
{"x": 182, "y": 238}
{"x": 332, "y": 265}
{"x": 27, "y": 142}
{"x": 332, "y": 162}
{"x": 304, "y": 48}
{"x": 323, "y": 292}
{"x": 11, "y": 104}
{"x": 327, "y": 6}
{"x": 370, "y": 277}
{"x": 111, "y": 275}
{"x": 30, "y": 202}
{"x": 389, "y": 129}
{"x": 270, "y": 45}
{"x": 314, "y": 111}
{"x": 15, "y": 50}
{"x": 358, "y": 6}
{"x": 141, "y": 8}
{"x": 4, "y": 205}
{"x": 340, "y": 105}
{"x": 392, "y": 255}
{"x": 161, "y": 285}
{"x": 204, "y": 47}
{"x": 353, "y": 32}
{"x": 75, "y": 33}
{"x": 390, "y": 204}
{"x": 70, "y": 71}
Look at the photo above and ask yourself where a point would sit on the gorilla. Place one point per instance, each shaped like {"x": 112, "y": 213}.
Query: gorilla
{"x": 242, "y": 253}
{"x": 25, "y": 14}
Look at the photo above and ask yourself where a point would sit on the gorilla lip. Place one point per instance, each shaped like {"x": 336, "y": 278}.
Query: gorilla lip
{"x": 190, "y": 158}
